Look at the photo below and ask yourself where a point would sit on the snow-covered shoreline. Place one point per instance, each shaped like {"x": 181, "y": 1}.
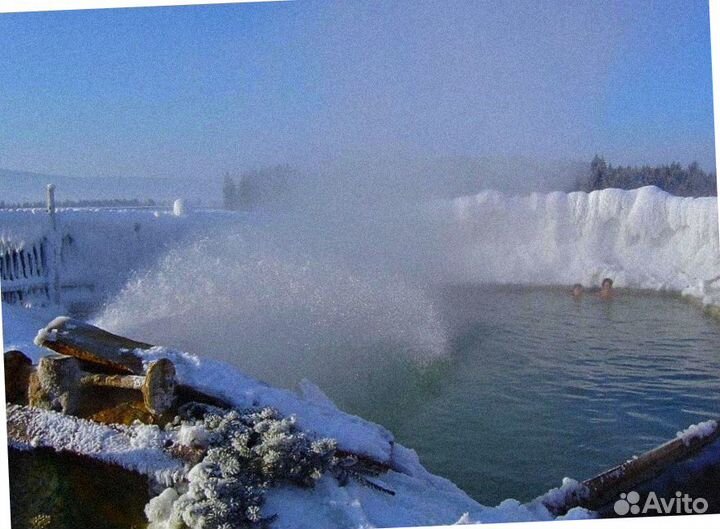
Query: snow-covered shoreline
{"x": 421, "y": 498}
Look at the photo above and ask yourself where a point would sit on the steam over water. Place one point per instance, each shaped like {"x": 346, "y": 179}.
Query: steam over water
{"x": 356, "y": 296}
{"x": 310, "y": 289}
{"x": 343, "y": 278}
{"x": 276, "y": 312}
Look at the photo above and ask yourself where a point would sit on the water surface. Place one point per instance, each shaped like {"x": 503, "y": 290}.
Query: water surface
{"x": 538, "y": 386}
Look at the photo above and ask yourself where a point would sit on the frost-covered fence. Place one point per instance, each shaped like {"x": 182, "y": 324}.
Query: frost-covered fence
{"x": 24, "y": 270}
{"x": 28, "y": 269}
{"x": 79, "y": 256}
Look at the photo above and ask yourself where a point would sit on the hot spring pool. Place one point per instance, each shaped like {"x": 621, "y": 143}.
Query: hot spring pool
{"x": 527, "y": 386}
{"x": 538, "y": 386}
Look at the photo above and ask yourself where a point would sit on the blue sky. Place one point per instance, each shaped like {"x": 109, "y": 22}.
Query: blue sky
{"x": 194, "y": 91}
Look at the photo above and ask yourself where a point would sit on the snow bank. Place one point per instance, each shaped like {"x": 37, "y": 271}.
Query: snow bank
{"x": 644, "y": 238}
{"x": 316, "y": 414}
{"x": 138, "y": 448}
{"x": 420, "y": 498}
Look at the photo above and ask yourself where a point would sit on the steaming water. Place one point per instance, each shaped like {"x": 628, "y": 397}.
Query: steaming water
{"x": 538, "y": 386}
{"x": 277, "y": 312}
{"x": 502, "y": 390}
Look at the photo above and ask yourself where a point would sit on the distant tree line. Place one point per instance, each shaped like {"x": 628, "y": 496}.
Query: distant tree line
{"x": 257, "y": 188}
{"x": 673, "y": 178}
{"x": 95, "y": 203}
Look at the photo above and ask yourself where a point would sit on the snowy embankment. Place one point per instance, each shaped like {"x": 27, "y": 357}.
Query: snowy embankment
{"x": 644, "y": 238}
{"x": 420, "y": 498}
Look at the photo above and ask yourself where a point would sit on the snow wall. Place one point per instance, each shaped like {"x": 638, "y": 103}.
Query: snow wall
{"x": 644, "y": 238}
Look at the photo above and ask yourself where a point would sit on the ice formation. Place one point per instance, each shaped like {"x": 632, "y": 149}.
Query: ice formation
{"x": 644, "y": 238}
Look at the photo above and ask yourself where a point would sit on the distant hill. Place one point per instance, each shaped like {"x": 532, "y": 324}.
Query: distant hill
{"x": 23, "y": 186}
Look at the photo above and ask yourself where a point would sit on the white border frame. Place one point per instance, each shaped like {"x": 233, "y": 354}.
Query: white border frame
{"x": 670, "y": 522}
{"x": 21, "y": 6}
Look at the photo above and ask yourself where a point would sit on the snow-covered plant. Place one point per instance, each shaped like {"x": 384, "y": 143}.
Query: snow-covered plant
{"x": 247, "y": 452}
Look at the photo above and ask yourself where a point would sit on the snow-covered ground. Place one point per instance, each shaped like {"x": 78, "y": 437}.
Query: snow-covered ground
{"x": 642, "y": 239}
{"x": 420, "y": 497}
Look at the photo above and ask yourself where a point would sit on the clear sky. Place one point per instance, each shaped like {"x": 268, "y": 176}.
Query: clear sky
{"x": 193, "y": 91}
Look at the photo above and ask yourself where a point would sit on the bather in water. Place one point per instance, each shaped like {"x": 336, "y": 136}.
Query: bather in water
{"x": 606, "y": 289}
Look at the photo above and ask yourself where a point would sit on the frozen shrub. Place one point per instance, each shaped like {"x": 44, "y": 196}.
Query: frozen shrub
{"x": 247, "y": 453}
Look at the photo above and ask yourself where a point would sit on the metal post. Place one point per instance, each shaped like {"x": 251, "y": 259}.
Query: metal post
{"x": 51, "y": 204}
{"x": 54, "y": 243}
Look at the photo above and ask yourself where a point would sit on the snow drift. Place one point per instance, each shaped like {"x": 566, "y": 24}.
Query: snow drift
{"x": 644, "y": 238}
